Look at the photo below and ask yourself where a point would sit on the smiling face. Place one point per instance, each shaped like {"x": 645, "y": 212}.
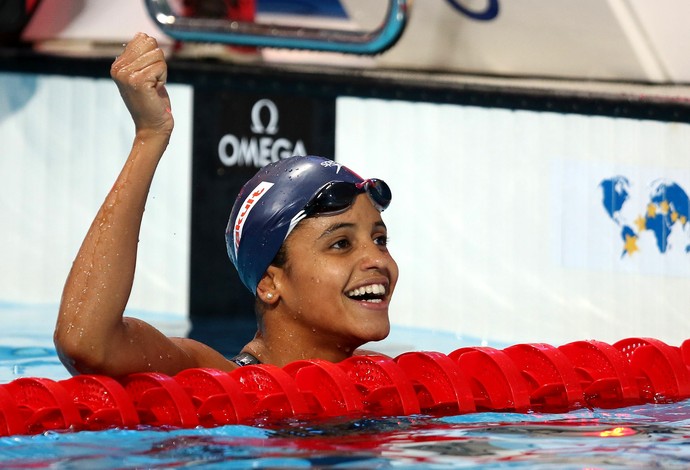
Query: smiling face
{"x": 336, "y": 286}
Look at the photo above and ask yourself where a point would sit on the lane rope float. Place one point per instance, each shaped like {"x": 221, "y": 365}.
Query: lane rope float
{"x": 520, "y": 378}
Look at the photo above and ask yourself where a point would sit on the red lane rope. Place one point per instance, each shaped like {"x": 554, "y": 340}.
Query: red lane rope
{"x": 519, "y": 378}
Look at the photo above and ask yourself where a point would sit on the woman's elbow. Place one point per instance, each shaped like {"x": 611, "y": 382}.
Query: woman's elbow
{"x": 79, "y": 355}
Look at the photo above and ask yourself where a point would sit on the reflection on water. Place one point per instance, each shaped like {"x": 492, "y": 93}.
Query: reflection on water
{"x": 636, "y": 437}
{"x": 34, "y": 361}
{"x": 643, "y": 436}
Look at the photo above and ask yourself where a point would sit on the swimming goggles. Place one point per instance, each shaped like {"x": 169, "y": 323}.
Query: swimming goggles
{"x": 337, "y": 196}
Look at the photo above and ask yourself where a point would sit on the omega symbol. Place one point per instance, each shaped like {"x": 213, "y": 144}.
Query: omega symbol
{"x": 257, "y": 125}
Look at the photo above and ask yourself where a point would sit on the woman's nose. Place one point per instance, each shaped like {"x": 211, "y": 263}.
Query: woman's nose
{"x": 373, "y": 256}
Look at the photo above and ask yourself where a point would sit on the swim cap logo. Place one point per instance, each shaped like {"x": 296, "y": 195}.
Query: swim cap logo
{"x": 248, "y": 204}
{"x": 262, "y": 147}
{"x": 330, "y": 164}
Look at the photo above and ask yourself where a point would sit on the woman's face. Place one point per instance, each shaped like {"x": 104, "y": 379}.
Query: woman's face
{"x": 339, "y": 277}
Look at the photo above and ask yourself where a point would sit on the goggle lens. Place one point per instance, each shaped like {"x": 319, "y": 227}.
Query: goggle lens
{"x": 339, "y": 195}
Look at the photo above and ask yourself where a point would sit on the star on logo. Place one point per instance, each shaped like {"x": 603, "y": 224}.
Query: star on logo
{"x": 630, "y": 245}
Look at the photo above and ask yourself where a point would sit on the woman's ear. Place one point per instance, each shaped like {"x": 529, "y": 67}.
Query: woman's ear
{"x": 267, "y": 290}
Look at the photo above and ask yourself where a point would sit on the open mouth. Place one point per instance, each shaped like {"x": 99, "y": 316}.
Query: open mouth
{"x": 373, "y": 293}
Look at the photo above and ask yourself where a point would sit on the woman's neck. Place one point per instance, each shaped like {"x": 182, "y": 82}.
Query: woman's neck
{"x": 281, "y": 346}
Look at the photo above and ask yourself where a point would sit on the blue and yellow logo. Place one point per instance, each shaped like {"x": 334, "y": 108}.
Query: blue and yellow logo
{"x": 667, "y": 207}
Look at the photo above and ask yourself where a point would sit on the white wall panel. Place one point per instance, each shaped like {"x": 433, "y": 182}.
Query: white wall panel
{"x": 64, "y": 141}
{"x": 498, "y": 224}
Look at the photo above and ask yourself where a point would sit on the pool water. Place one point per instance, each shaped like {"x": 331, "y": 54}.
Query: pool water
{"x": 644, "y": 436}
{"x": 650, "y": 436}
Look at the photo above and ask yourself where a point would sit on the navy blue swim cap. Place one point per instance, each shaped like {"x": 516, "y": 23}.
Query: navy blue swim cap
{"x": 268, "y": 207}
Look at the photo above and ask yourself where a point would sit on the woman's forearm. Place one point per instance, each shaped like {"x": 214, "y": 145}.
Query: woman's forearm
{"x": 101, "y": 278}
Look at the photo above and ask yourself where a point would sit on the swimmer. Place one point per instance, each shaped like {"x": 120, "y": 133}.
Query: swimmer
{"x": 305, "y": 235}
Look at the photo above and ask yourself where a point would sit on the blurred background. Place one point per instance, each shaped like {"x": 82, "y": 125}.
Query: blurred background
{"x": 621, "y": 40}
{"x": 537, "y": 151}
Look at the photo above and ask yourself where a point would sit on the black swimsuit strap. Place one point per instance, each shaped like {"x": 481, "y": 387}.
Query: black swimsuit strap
{"x": 245, "y": 359}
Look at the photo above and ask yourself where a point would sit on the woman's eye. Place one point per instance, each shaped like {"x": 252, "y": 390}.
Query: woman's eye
{"x": 381, "y": 240}
{"x": 341, "y": 244}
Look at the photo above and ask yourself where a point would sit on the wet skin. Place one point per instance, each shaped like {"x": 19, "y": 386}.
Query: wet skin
{"x": 311, "y": 313}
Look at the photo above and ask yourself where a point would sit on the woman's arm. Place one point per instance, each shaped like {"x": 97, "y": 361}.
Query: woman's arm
{"x": 91, "y": 335}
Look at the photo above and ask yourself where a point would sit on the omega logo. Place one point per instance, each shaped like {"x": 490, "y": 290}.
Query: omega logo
{"x": 261, "y": 148}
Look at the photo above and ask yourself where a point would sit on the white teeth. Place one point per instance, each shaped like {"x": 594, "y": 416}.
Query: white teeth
{"x": 376, "y": 289}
